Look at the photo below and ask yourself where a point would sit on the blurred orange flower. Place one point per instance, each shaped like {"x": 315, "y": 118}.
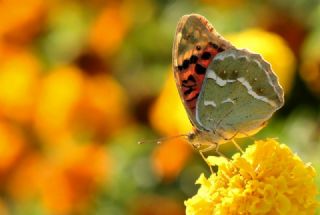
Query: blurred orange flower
{"x": 71, "y": 102}
{"x": 170, "y": 157}
{"x": 12, "y": 145}
{"x": 72, "y": 176}
{"x": 19, "y": 74}
{"x": 273, "y": 48}
{"x": 24, "y": 183}
{"x": 103, "y": 106}
{"x": 156, "y": 205}
{"x": 110, "y": 28}
{"x": 65, "y": 178}
{"x": 17, "y": 17}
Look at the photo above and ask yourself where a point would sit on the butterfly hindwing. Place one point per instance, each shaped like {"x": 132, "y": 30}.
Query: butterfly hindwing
{"x": 239, "y": 94}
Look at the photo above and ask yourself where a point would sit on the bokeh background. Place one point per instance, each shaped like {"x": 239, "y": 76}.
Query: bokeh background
{"x": 82, "y": 81}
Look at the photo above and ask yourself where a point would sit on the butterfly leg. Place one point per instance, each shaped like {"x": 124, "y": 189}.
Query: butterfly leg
{"x": 205, "y": 159}
{"x": 214, "y": 146}
{"x": 232, "y": 140}
{"x": 218, "y": 152}
{"x": 237, "y": 145}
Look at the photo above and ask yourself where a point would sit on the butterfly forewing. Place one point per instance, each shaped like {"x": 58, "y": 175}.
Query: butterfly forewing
{"x": 196, "y": 44}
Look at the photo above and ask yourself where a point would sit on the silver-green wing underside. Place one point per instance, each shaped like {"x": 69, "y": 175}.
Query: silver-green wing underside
{"x": 239, "y": 94}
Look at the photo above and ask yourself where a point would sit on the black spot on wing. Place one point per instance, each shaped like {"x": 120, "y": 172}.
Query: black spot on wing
{"x": 193, "y": 59}
{"x": 200, "y": 69}
{"x": 185, "y": 64}
{"x": 205, "y": 56}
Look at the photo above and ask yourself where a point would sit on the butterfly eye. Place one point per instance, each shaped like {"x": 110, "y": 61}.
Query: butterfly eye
{"x": 191, "y": 136}
{"x": 198, "y": 47}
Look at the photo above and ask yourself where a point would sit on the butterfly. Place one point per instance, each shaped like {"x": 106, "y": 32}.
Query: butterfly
{"x": 227, "y": 92}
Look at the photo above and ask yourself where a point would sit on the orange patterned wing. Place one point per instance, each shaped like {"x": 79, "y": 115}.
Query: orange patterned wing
{"x": 195, "y": 45}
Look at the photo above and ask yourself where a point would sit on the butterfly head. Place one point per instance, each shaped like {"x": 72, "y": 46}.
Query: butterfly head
{"x": 194, "y": 139}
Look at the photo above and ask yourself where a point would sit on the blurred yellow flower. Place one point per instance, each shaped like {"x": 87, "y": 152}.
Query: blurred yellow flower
{"x": 273, "y": 48}
{"x": 58, "y": 95}
{"x": 168, "y": 115}
{"x": 19, "y": 77}
{"x": 267, "y": 179}
{"x": 70, "y": 102}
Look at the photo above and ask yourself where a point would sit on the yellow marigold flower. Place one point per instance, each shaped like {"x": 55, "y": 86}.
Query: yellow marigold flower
{"x": 267, "y": 179}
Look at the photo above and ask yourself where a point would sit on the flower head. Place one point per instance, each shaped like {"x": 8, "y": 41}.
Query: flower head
{"x": 267, "y": 179}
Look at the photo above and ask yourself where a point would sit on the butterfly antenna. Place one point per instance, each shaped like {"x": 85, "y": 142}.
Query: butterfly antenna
{"x": 163, "y": 139}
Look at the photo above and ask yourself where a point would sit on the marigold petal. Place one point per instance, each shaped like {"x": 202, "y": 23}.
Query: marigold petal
{"x": 216, "y": 161}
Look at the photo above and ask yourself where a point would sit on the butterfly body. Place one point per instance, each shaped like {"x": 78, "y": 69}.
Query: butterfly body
{"x": 227, "y": 92}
